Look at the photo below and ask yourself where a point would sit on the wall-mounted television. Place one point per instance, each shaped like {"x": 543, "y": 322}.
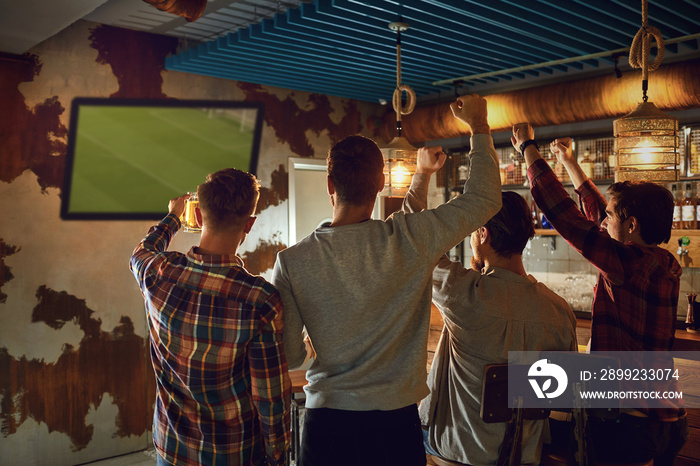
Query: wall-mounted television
{"x": 127, "y": 157}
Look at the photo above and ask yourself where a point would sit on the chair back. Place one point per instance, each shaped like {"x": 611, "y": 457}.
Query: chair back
{"x": 495, "y": 402}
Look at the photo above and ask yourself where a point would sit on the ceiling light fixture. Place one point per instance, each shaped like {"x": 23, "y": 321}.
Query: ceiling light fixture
{"x": 399, "y": 154}
{"x": 191, "y": 10}
{"x": 646, "y": 140}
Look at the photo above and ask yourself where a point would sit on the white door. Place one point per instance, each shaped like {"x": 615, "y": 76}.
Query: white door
{"x": 309, "y": 203}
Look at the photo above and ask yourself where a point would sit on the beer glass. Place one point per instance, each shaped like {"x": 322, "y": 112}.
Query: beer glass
{"x": 189, "y": 219}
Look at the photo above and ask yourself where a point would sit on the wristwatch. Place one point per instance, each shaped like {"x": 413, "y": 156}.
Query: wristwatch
{"x": 524, "y": 145}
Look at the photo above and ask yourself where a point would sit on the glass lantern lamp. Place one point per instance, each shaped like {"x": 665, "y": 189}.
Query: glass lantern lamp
{"x": 399, "y": 166}
{"x": 400, "y": 157}
{"x": 646, "y": 145}
{"x": 646, "y": 140}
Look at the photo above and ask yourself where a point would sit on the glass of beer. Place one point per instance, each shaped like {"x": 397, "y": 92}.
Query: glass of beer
{"x": 189, "y": 219}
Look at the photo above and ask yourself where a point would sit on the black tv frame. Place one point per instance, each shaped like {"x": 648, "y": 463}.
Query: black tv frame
{"x": 79, "y": 102}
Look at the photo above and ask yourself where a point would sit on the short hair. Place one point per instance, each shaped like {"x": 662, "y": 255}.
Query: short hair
{"x": 227, "y": 198}
{"x": 650, "y": 203}
{"x": 511, "y": 228}
{"x": 355, "y": 166}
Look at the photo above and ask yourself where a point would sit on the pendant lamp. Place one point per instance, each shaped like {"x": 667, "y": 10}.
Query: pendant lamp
{"x": 646, "y": 140}
{"x": 191, "y": 10}
{"x": 399, "y": 155}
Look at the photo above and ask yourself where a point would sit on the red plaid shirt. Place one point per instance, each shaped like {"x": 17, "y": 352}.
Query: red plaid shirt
{"x": 635, "y": 300}
{"x": 224, "y": 392}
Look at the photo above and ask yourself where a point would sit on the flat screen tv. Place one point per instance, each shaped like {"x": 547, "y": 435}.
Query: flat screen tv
{"x": 127, "y": 157}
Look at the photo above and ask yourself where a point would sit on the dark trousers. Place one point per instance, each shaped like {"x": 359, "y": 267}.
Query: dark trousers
{"x": 334, "y": 437}
{"x": 632, "y": 439}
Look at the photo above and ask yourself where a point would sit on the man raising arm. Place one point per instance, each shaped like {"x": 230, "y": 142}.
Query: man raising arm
{"x": 489, "y": 310}
{"x": 223, "y": 390}
{"x": 361, "y": 289}
{"x": 636, "y": 298}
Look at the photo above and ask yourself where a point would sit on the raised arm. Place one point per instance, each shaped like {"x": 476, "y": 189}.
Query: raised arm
{"x": 582, "y": 233}
{"x": 158, "y": 238}
{"x": 446, "y": 272}
{"x": 561, "y": 147}
{"x": 430, "y": 160}
{"x": 435, "y": 231}
{"x": 592, "y": 201}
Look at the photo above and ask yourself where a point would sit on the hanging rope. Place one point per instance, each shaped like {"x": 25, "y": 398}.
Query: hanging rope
{"x": 397, "y": 103}
{"x": 641, "y": 49}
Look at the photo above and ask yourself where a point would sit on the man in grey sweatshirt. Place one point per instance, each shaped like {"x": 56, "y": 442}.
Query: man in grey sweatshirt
{"x": 362, "y": 289}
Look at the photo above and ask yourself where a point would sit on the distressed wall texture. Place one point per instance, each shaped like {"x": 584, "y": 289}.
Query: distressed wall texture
{"x": 75, "y": 381}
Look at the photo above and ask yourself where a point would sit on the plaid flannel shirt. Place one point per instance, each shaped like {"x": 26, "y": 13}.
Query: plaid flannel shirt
{"x": 635, "y": 300}
{"x": 223, "y": 390}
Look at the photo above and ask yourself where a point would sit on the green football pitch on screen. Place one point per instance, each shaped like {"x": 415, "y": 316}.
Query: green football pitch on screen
{"x": 133, "y": 159}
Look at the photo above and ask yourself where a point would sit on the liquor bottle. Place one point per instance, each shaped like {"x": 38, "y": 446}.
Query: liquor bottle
{"x": 697, "y": 205}
{"x": 534, "y": 213}
{"x": 462, "y": 173}
{"x": 688, "y": 220}
{"x": 517, "y": 170}
{"x": 676, "y": 208}
{"x": 551, "y": 159}
{"x": 598, "y": 166}
{"x": 690, "y": 316}
{"x": 612, "y": 161}
{"x": 587, "y": 164}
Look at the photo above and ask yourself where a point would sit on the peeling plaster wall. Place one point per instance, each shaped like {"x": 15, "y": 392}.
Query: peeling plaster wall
{"x": 75, "y": 381}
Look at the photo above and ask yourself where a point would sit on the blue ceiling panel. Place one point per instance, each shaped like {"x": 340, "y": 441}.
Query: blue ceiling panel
{"x": 345, "y": 48}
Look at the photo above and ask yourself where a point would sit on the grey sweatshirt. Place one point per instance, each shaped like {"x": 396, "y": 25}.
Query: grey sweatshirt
{"x": 363, "y": 293}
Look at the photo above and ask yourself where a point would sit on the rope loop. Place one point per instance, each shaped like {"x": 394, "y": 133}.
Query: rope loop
{"x": 410, "y": 102}
{"x": 639, "y": 50}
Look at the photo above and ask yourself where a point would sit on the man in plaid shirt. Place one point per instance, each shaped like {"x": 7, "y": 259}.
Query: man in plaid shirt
{"x": 636, "y": 297}
{"x": 223, "y": 390}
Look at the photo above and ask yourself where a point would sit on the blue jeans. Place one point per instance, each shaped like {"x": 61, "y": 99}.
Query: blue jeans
{"x": 426, "y": 443}
{"x": 161, "y": 461}
{"x": 335, "y": 437}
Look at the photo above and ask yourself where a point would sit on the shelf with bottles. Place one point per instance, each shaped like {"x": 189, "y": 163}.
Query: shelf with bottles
{"x": 595, "y": 155}
{"x": 689, "y": 150}
{"x": 455, "y": 172}
{"x": 686, "y": 197}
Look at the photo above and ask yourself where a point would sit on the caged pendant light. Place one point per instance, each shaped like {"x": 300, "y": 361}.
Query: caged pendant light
{"x": 399, "y": 154}
{"x": 646, "y": 140}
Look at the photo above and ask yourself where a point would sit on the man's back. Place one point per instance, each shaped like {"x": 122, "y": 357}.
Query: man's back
{"x": 215, "y": 335}
{"x": 486, "y": 316}
{"x": 363, "y": 293}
